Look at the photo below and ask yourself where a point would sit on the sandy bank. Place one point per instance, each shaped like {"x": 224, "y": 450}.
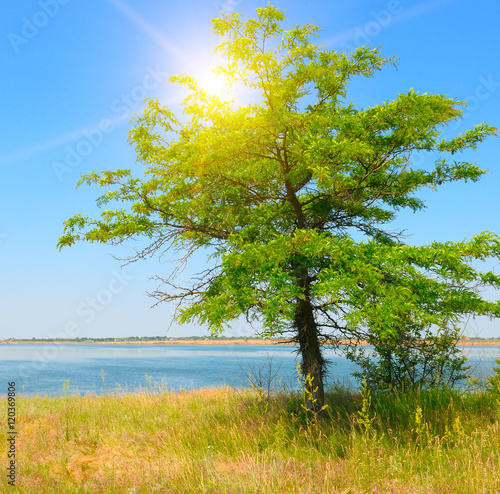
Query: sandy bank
{"x": 205, "y": 342}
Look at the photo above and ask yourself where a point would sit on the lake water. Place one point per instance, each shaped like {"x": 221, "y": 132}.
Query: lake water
{"x": 44, "y": 369}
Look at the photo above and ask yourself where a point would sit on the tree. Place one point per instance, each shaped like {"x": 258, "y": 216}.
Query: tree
{"x": 292, "y": 196}
{"x": 416, "y": 359}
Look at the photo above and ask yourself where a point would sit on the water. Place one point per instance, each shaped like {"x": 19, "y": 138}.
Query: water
{"x": 44, "y": 369}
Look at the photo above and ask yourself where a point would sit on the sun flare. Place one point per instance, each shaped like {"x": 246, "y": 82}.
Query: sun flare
{"x": 216, "y": 85}
{"x": 227, "y": 89}
{"x": 213, "y": 84}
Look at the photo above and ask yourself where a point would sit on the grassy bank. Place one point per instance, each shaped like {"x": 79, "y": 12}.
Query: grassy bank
{"x": 227, "y": 441}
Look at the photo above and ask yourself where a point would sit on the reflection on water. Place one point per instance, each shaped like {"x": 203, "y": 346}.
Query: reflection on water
{"x": 42, "y": 369}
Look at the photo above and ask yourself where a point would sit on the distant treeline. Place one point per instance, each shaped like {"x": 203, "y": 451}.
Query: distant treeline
{"x": 138, "y": 338}
{"x": 175, "y": 338}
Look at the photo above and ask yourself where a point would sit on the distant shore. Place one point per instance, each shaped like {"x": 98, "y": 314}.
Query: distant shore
{"x": 210, "y": 341}
{"x": 252, "y": 341}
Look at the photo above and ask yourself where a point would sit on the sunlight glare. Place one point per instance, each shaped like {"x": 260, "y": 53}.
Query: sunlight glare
{"x": 216, "y": 85}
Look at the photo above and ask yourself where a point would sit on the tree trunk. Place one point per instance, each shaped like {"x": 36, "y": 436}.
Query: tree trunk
{"x": 313, "y": 364}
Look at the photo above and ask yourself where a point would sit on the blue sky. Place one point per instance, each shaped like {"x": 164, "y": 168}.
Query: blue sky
{"x": 74, "y": 73}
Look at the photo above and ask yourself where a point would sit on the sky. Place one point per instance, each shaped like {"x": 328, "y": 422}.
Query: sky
{"x": 74, "y": 73}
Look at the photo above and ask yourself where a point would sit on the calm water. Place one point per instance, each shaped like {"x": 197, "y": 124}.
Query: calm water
{"x": 43, "y": 369}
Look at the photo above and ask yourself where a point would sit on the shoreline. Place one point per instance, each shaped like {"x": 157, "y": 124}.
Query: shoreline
{"x": 154, "y": 342}
{"x": 239, "y": 341}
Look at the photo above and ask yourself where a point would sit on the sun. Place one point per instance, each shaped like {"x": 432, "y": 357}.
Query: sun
{"x": 213, "y": 84}
{"x": 216, "y": 85}
{"x": 219, "y": 81}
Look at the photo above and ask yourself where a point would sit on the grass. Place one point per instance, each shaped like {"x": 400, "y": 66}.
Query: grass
{"x": 239, "y": 441}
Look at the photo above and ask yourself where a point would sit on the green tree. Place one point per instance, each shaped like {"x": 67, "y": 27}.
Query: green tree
{"x": 417, "y": 358}
{"x": 292, "y": 195}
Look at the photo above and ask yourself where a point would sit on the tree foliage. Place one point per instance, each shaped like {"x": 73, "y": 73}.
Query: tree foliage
{"x": 293, "y": 196}
{"x": 414, "y": 360}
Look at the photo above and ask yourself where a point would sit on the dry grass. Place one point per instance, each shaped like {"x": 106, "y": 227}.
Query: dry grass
{"x": 227, "y": 441}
